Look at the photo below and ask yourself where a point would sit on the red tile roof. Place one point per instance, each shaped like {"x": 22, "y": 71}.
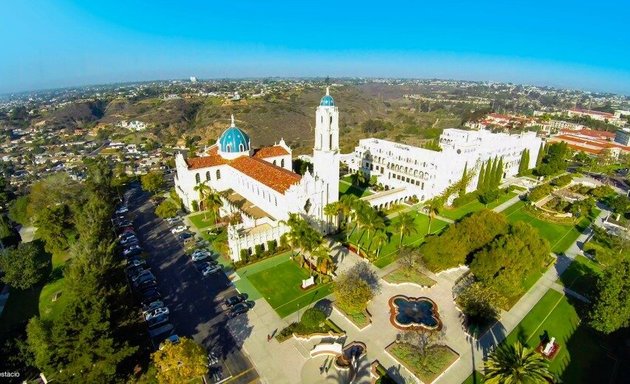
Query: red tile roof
{"x": 276, "y": 178}
{"x": 205, "y": 161}
{"x": 273, "y": 151}
{"x": 590, "y": 112}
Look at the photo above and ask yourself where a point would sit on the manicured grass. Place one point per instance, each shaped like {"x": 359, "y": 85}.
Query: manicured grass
{"x": 581, "y": 276}
{"x": 389, "y": 250}
{"x": 360, "y": 319}
{"x": 475, "y": 378}
{"x": 280, "y": 285}
{"x": 401, "y": 275}
{"x": 560, "y": 236}
{"x": 200, "y": 221}
{"x": 474, "y": 206}
{"x": 346, "y": 188}
{"x": 47, "y": 308}
{"x": 439, "y": 360}
{"x": 583, "y": 356}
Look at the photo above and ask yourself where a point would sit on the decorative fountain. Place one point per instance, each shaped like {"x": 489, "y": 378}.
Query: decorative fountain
{"x": 413, "y": 313}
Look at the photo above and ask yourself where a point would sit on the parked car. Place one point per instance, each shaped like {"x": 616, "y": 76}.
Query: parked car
{"x": 200, "y": 254}
{"x": 150, "y": 296}
{"x": 133, "y": 249}
{"x": 184, "y": 236}
{"x": 121, "y": 210}
{"x": 239, "y": 309}
{"x": 213, "y": 358}
{"x": 123, "y": 224}
{"x": 136, "y": 262}
{"x": 134, "y": 270}
{"x": 157, "y": 321}
{"x": 173, "y": 339}
{"x": 126, "y": 235}
{"x": 148, "y": 315}
{"x": 172, "y": 220}
{"x": 210, "y": 269}
{"x": 178, "y": 229}
{"x": 233, "y": 300}
{"x": 146, "y": 285}
{"x": 164, "y": 328}
{"x": 143, "y": 276}
{"x": 129, "y": 240}
{"x": 153, "y": 305}
{"x": 135, "y": 253}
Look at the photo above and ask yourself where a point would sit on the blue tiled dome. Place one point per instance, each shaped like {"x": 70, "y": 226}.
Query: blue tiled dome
{"x": 233, "y": 140}
{"x": 327, "y": 101}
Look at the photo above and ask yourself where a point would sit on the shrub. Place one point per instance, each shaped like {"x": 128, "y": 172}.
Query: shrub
{"x": 313, "y": 318}
{"x": 489, "y": 196}
{"x": 195, "y": 206}
{"x": 465, "y": 199}
{"x": 561, "y": 181}
{"x": 272, "y": 246}
{"x": 244, "y": 255}
{"x": 259, "y": 250}
{"x": 539, "y": 192}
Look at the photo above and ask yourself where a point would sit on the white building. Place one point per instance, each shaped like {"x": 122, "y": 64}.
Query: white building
{"x": 134, "y": 125}
{"x": 426, "y": 173}
{"x": 259, "y": 185}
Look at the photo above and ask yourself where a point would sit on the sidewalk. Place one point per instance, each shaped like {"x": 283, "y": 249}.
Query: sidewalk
{"x": 473, "y": 359}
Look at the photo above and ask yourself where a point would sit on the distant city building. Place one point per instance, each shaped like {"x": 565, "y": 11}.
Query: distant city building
{"x": 596, "y": 115}
{"x": 591, "y": 141}
{"x": 427, "y": 173}
{"x": 259, "y": 186}
{"x": 193, "y": 79}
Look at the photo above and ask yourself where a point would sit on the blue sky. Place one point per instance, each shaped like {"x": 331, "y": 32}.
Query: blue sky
{"x": 46, "y": 43}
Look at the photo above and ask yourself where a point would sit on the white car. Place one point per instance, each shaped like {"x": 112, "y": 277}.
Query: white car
{"x": 155, "y": 313}
{"x": 122, "y": 210}
{"x": 153, "y": 305}
{"x": 210, "y": 269}
{"x": 178, "y": 229}
{"x": 172, "y": 220}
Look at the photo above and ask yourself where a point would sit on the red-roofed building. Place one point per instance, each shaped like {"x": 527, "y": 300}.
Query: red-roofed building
{"x": 259, "y": 186}
{"x": 591, "y": 141}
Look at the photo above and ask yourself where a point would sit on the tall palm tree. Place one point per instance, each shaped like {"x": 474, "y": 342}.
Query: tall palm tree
{"x": 373, "y": 222}
{"x": 516, "y": 364}
{"x": 379, "y": 240}
{"x": 212, "y": 203}
{"x": 358, "y": 178}
{"x": 323, "y": 259}
{"x": 204, "y": 190}
{"x": 346, "y": 206}
{"x": 433, "y": 206}
{"x": 405, "y": 226}
{"x": 332, "y": 211}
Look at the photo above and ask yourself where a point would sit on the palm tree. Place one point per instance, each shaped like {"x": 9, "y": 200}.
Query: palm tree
{"x": 373, "y": 222}
{"x": 433, "y": 206}
{"x": 212, "y": 202}
{"x": 332, "y": 210}
{"x": 323, "y": 259}
{"x": 515, "y": 364}
{"x": 379, "y": 240}
{"x": 405, "y": 226}
{"x": 301, "y": 235}
{"x": 204, "y": 190}
{"x": 358, "y": 178}
{"x": 346, "y": 206}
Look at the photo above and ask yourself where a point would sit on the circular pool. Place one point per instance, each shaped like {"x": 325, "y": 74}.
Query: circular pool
{"x": 409, "y": 313}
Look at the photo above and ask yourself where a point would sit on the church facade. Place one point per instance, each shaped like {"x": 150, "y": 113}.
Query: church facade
{"x": 259, "y": 186}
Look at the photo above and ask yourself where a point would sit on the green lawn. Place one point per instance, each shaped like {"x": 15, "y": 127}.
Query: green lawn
{"x": 474, "y": 206}
{"x": 47, "y": 308}
{"x": 389, "y": 250}
{"x": 346, "y": 188}
{"x": 401, "y": 275}
{"x": 439, "y": 360}
{"x": 200, "y": 221}
{"x": 279, "y": 280}
{"x": 583, "y": 356}
{"x": 581, "y": 276}
{"x": 560, "y": 236}
{"x": 475, "y": 378}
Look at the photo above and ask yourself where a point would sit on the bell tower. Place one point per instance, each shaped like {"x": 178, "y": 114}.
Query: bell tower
{"x": 326, "y": 149}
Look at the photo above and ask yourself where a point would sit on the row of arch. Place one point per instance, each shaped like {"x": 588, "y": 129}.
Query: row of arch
{"x": 217, "y": 176}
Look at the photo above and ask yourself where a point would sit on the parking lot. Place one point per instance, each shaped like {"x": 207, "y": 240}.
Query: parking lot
{"x": 195, "y": 302}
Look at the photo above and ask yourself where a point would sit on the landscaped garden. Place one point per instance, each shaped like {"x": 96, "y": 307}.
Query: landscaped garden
{"x": 583, "y": 356}
{"x": 560, "y": 234}
{"x": 409, "y": 275}
{"x": 426, "y": 368}
{"x": 387, "y": 253}
{"x": 202, "y": 220}
{"x": 346, "y": 188}
{"x": 474, "y": 206}
{"x": 279, "y": 280}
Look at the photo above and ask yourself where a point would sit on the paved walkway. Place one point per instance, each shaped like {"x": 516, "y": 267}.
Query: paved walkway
{"x": 507, "y": 204}
{"x": 569, "y": 292}
{"x": 479, "y": 349}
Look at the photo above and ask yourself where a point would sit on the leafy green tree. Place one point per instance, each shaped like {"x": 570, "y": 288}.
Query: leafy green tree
{"x": 54, "y": 226}
{"x": 332, "y": 211}
{"x": 480, "y": 304}
{"x": 167, "y": 208}
{"x": 462, "y": 186}
{"x": 313, "y": 317}
{"x": 516, "y": 364}
{"x": 487, "y": 178}
{"x": 24, "y": 266}
{"x": 611, "y": 310}
{"x": 354, "y": 288}
{"x": 541, "y": 154}
{"x": 153, "y": 181}
{"x": 180, "y": 362}
{"x": 18, "y": 211}
{"x": 359, "y": 178}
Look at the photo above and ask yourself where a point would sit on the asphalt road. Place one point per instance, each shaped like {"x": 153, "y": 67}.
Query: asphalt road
{"x": 195, "y": 302}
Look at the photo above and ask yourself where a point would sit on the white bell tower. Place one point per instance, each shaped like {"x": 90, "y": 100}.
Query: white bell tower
{"x": 326, "y": 149}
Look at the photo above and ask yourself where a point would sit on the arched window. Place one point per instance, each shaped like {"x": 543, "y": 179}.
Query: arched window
{"x": 330, "y": 141}
{"x": 241, "y": 147}
{"x": 274, "y": 162}
{"x": 208, "y": 176}
{"x": 197, "y": 178}
{"x": 218, "y": 174}
{"x": 330, "y": 120}
{"x": 282, "y": 163}
{"x": 229, "y": 148}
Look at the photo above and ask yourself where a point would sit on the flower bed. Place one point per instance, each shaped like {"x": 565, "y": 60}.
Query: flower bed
{"x": 428, "y": 369}
{"x": 299, "y": 330}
